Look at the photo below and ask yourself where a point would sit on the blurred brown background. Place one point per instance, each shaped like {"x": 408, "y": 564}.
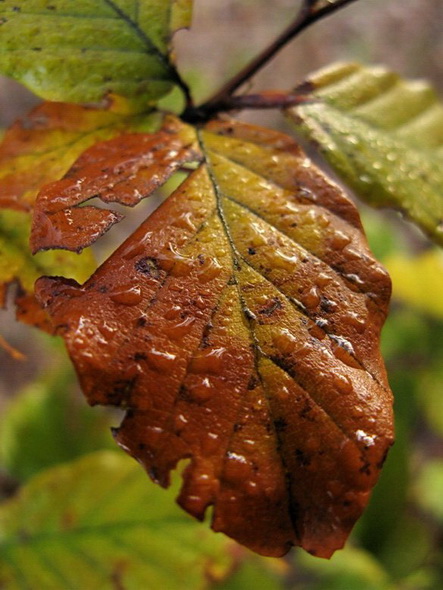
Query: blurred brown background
{"x": 403, "y": 34}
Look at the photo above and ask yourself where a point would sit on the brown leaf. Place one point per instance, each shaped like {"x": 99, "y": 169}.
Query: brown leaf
{"x": 43, "y": 145}
{"x": 239, "y": 326}
{"x": 123, "y": 170}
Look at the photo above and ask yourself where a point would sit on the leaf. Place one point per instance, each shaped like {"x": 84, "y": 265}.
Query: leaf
{"x": 124, "y": 169}
{"x": 383, "y": 135}
{"x": 239, "y": 326}
{"x": 46, "y": 424}
{"x": 43, "y": 145}
{"x": 35, "y": 150}
{"x": 83, "y": 51}
{"x": 18, "y": 266}
{"x": 96, "y": 523}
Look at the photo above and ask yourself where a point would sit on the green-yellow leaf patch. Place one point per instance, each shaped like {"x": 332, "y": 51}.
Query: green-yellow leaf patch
{"x": 83, "y": 50}
{"x": 382, "y": 134}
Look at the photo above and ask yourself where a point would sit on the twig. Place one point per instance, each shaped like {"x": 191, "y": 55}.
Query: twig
{"x": 307, "y": 15}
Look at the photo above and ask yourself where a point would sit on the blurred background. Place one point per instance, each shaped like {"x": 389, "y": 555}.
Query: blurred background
{"x": 398, "y": 545}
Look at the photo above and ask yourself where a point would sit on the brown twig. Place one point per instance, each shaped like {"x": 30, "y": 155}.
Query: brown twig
{"x": 307, "y": 15}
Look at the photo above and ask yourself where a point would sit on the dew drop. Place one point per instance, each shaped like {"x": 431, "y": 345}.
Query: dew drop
{"x": 367, "y": 439}
{"x": 210, "y": 269}
{"x": 339, "y": 240}
{"x": 208, "y": 360}
{"x": 284, "y": 341}
{"x": 179, "y": 330}
{"x": 342, "y": 383}
{"x": 127, "y": 295}
{"x": 201, "y": 390}
{"x": 312, "y": 298}
{"x": 160, "y": 360}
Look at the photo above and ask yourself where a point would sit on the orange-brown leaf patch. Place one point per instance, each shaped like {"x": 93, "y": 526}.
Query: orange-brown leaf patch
{"x": 239, "y": 326}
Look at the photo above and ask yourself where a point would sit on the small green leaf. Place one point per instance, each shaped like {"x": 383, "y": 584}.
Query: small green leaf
{"x": 383, "y": 135}
{"x": 97, "y": 523}
{"x": 48, "y": 423}
{"x": 84, "y": 50}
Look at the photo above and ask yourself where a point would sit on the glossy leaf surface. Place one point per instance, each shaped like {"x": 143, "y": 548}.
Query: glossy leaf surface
{"x": 36, "y": 149}
{"x": 19, "y": 267}
{"x": 125, "y": 169}
{"x": 97, "y": 523}
{"x": 239, "y": 326}
{"x": 84, "y": 50}
{"x": 383, "y": 135}
{"x": 42, "y": 146}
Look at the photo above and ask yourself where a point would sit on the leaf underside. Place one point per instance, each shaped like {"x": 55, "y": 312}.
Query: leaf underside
{"x": 239, "y": 326}
{"x": 382, "y": 134}
{"x": 85, "y": 50}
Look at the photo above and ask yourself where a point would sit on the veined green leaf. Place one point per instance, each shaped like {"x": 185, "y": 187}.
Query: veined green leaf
{"x": 84, "y": 50}
{"x": 383, "y": 135}
{"x": 97, "y": 523}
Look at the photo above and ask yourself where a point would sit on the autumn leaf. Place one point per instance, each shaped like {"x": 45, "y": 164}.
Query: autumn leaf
{"x": 239, "y": 326}
{"x": 83, "y": 51}
{"x": 125, "y": 169}
{"x": 382, "y": 134}
{"x": 36, "y": 149}
{"x": 42, "y": 146}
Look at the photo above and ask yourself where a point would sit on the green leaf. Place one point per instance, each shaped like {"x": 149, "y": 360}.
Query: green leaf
{"x": 97, "y": 523}
{"x": 383, "y": 135}
{"x": 48, "y": 423}
{"x": 84, "y": 50}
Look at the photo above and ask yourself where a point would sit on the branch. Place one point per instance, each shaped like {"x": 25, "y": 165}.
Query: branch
{"x": 308, "y": 14}
{"x": 269, "y": 99}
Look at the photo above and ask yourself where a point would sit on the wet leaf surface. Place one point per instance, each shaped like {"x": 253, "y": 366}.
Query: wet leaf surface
{"x": 36, "y": 149}
{"x": 82, "y": 51}
{"x": 239, "y": 326}
{"x": 42, "y": 146}
{"x": 124, "y": 169}
{"x": 382, "y": 134}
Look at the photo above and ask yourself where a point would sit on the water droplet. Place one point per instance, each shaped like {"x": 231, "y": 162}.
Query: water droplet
{"x": 201, "y": 390}
{"x": 160, "y": 360}
{"x": 284, "y": 341}
{"x": 286, "y": 261}
{"x": 322, "y": 279}
{"x": 209, "y": 269}
{"x": 208, "y": 360}
{"x": 342, "y": 383}
{"x": 184, "y": 221}
{"x": 339, "y": 240}
{"x": 179, "y": 330}
{"x": 173, "y": 312}
{"x": 127, "y": 295}
{"x": 312, "y": 298}
{"x": 356, "y": 321}
{"x": 367, "y": 439}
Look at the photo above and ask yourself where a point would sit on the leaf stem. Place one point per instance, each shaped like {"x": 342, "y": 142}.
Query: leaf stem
{"x": 309, "y": 13}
